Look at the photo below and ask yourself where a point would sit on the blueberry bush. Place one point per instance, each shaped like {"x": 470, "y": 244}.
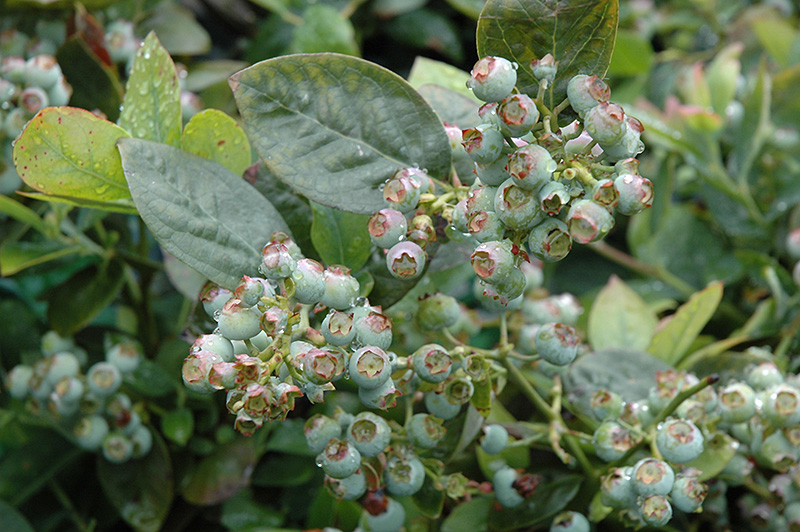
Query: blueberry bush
{"x": 267, "y": 283}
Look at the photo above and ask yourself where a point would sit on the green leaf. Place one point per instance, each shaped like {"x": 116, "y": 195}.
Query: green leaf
{"x": 178, "y": 30}
{"x": 16, "y": 256}
{"x": 288, "y": 437}
{"x": 340, "y": 237}
{"x": 620, "y": 318}
{"x": 283, "y": 470}
{"x": 723, "y": 76}
{"x": 387, "y": 289}
{"x": 632, "y": 55}
{"x": 580, "y": 35}
{"x": 776, "y": 35}
{"x": 719, "y": 450}
{"x": 70, "y": 152}
{"x": 178, "y": 425}
{"x": 335, "y": 127}
{"x": 123, "y": 206}
{"x": 12, "y": 520}
{"x": 204, "y": 74}
{"x": 242, "y": 513}
{"x": 21, "y": 213}
{"x": 429, "y": 500}
{"x": 223, "y": 473}
{"x": 756, "y": 124}
{"x": 471, "y": 515}
{"x": 470, "y": 8}
{"x": 74, "y": 304}
{"x": 197, "y": 210}
{"x": 215, "y": 136}
{"x": 95, "y": 85}
{"x": 432, "y": 30}
{"x": 426, "y": 71}
{"x": 550, "y": 497}
{"x": 141, "y": 490}
{"x": 151, "y": 380}
{"x": 672, "y": 342}
{"x": 151, "y": 109}
{"x": 392, "y": 8}
{"x": 451, "y": 107}
{"x": 324, "y": 29}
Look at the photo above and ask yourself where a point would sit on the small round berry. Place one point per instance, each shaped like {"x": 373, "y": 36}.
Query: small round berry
{"x": 552, "y": 197}
{"x": 630, "y": 145}
{"x": 495, "y": 439}
{"x": 18, "y": 381}
{"x": 321, "y": 366}
{"x": 764, "y": 375}
{"x": 570, "y": 522}
{"x": 557, "y": 343}
{"x": 512, "y": 287}
{"x": 611, "y": 441}
{"x": 251, "y": 289}
{"x": 438, "y": 311}
{"x": 679, "y": 441}
{"x": 60, "y": 93}
{"x": 438, "y": 405}
{"x": 605, "y": 193}
{"x": 635, "y": 193}
{"x": 656, "y": 510}
{"x": 383, "y": 397}
{"x": 403, "y": 477}
{"x": 276, "y": 261}
{"x": 32, "y": 99}
{"x": 341, "y": 288}
{"x": 637, "y": 413}
{"x": 531, "y": 167}
{"x": 125, "y": 355}
{"x": 516, "y": 207}
{"x": 196, "y": 369}
{"x": 588, "y": 221}
{"x": 605, "y": 122}
{"x": 492, "y": 78}
{"x": 492, "y": 299}
{"x": 585, "y": 92}
{"x": 142, "y": 440}
{"x": 387, "y": 227}
{"x": 493, "y": 173}
{"x": 62, "y": 365}
{"x": 606, "y": 404}
{"x": 652, "y": 477}
{"x": 503, "y": 482}
{"x": 117, "y": 447}
{"x": 375, "y": 328}
{"x": 402, "y": 193}
{"x": 616, "y": 489}
{"x": 214, "y": 298}
{"x": 481, "y": 198}
{"x": 781, "y": 405}
{"x": 370, "y": 367}
{"x": 337, "y": 328}
{"x": 391, "y": 519}
{"x": 545, "y": 69}
{"x": 238, "y": 322}
{"x": 493, "y": 261}
{"x": 348, "y": 488}
{"x": 484, "y": 143}
{"x": 309, "y": 281}
{"x": 42, "y": 71}
{"x": 688, "y": 493}
{"x": 53, "y": 343}
{"x": 459, "y": 390}
{"x": 90, "y": 432}
{"x": 406, "y": 260}
{"x": 103, "y": 379}
{"x": 485, "y": 226}
{"x": 432, "y": 363}
{"x": 339, "y": 459}
{"x": 518, "y": 113}
{"x": 550, "y": 240}
{"x": 425, "y": 430}
{"x": 369, "y": 433}
{"x": 319, "y": 430}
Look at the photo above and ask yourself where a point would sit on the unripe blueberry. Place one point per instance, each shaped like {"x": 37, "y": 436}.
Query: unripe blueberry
{"x": 402, "y": 193}
{"x": 492, "y": 78}
{"x": 585, "y": 92}
{"x": 438, "y": 311}
{"x": 238, "y": 322}
{"x": 142, "y": 440}
{"x": 516, "y": 207}
{"x": 13, "y": 69}
{"x": 777, "y": 452}
{"x": 481, "y": 198}
{"x": 652, "y": 477}
{"x": 196, "y": 369}
{"x": 493, "y": 261}
{"x": 68, "y": 390}
{"x": 383, "y": 397}
{"x": 459, "y": 390}
{"x": 570, "y": 522}
{"x": 606, "y": 404}
{"x": 688, "y": 493}
{"x": 406, "y": 260}
{"x": 280, "y": 237}
{"x": 531, "y": 166}
{"x": 120, "y": 41}
{"x": 495, "y": 439}
{"x": 793, "y": 243}
{"x": 419, "y": 176}
{"x": 792, "y": 514}
{"x": 518, "y": 113}
{"x": 605, "y": 123}
{"x": 125, "y": 355}
{"x": 440, "y": 406}
{"x": 611, "y": 441}
{"x": 637, "y": 413}
{"x": 214, "y": 298}
{"x": 484, "y": 143}
{"x": 370, "y": 367}
{"x": 432, "y": 363}
{"x": 616, "y": 489}
{"x": 557, "y": 343}
{"x": 251, "y": 289}
{"x": 391, "y": 519}
{"x": 32, "y": 99}
{"x": 656, "y": 510}
{"x": 62, "y": 365}
{"x": 605, "y": 193}
{"x": 553, "y": 196}
{"x": 679, "y": 441}
{"x": 510, "y": 288}
{"x": 387, "y": 227}
{"x": 737, "y": 402}
{"x": 630, "y": 145}
{"x": 276, "y": 261}
{"x": 588, "y": 221}
{"x": 460, "y": 216}
{"x": 60, "y": 93}
{"x": 321, "y": 366}
{"x": 42, "y": 71}
{"x": 339, "y": 459}
{"x": 90, "y": 432}
{"x": 488, "y": 114}
{"x": 117, "y": 447}
{"x": 493, "y": 173}
{"x": 52, "y": 343}
{"x": 550, "y": 240}
{"x": 103, "y": 379}
{"x": 485, "y": 226}
{"x": 348, "y": 488}
{"x": 504, "y": 491}
{"x": 635, "y": 193}
{"x": 781, "y": 405}
{"x": 425, "y": 430}
{"x": 403, "y": 477}
{"x": 545, "y": 69}
{"x": 369, "y": 433}
{"x": 338, "y": 328}
{"x": 272, "y": 322}
{"x": 374, "y": 329}
{"x": 492, "y": 299}
{"x": 319, "y": 430}
{"x": 341, "y": 288}
{"x": 764, "y": 375}
{"x": 17, "y": 381}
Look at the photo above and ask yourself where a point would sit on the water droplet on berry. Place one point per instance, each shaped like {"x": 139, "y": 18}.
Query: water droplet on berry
{"x": 318, "y": 461}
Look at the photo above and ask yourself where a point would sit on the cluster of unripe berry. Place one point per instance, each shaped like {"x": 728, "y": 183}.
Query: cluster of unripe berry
{"x": 89, "y": 406}
{"x": 539, "y": 186}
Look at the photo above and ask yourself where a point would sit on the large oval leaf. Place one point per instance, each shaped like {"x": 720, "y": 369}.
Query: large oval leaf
{"x": 215, "y": 136}
{"x": 204, "y": 215}
{"x": 580, "y": 35}
{"x": 335, "y": 127}
{"x": 70, "y": 152}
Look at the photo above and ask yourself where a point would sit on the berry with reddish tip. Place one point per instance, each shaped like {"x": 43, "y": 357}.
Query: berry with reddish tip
{"x": 531, "y": 166}
{"x": 484, "y": 143}
{"x": 370, "y": 367}
{"x": 606, "y": 123}
{"x": 276, "y": 261}
{"x": 586, "y": 92}
{"x": 341, "y": 288}
{"x": 588, "y": 221}
{"x": 432, "y": 363}
{"x": 339, "y": 459}
{"x": 406, "y": 260}
{"x": 492, "y": 78}
{"x": 493, "y": 261}
{"x": 425, "y": 430}
{"x": 387, "y": 227}
{"x": 518, "y": 113}
{"x": 634, "y": 192}
{"x": 550, "y": 240}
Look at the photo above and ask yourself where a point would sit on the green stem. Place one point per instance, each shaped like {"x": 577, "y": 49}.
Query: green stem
{"x": 503, "y": 330}
{"x": 351, "y": 7}
{"x": 560, "y": 107}
{"x": 529, "y": 391}
{"x": 68, "y": 506}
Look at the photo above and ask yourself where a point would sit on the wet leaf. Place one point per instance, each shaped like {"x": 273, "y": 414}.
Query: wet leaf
{"x": 340, "y": 237}
{"x": 215, "y": 136}
{"x": 619, "y": 317}
{"x": 221, "y": 475}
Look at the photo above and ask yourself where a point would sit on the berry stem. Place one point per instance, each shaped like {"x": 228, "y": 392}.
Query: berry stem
{"x": 560, "y": 107}
{"x": 529, "y": 391}
{"x": 68, "y": 506}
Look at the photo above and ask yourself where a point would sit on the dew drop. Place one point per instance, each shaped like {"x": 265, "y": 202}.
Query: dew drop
{"x": 318, "y": 461}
